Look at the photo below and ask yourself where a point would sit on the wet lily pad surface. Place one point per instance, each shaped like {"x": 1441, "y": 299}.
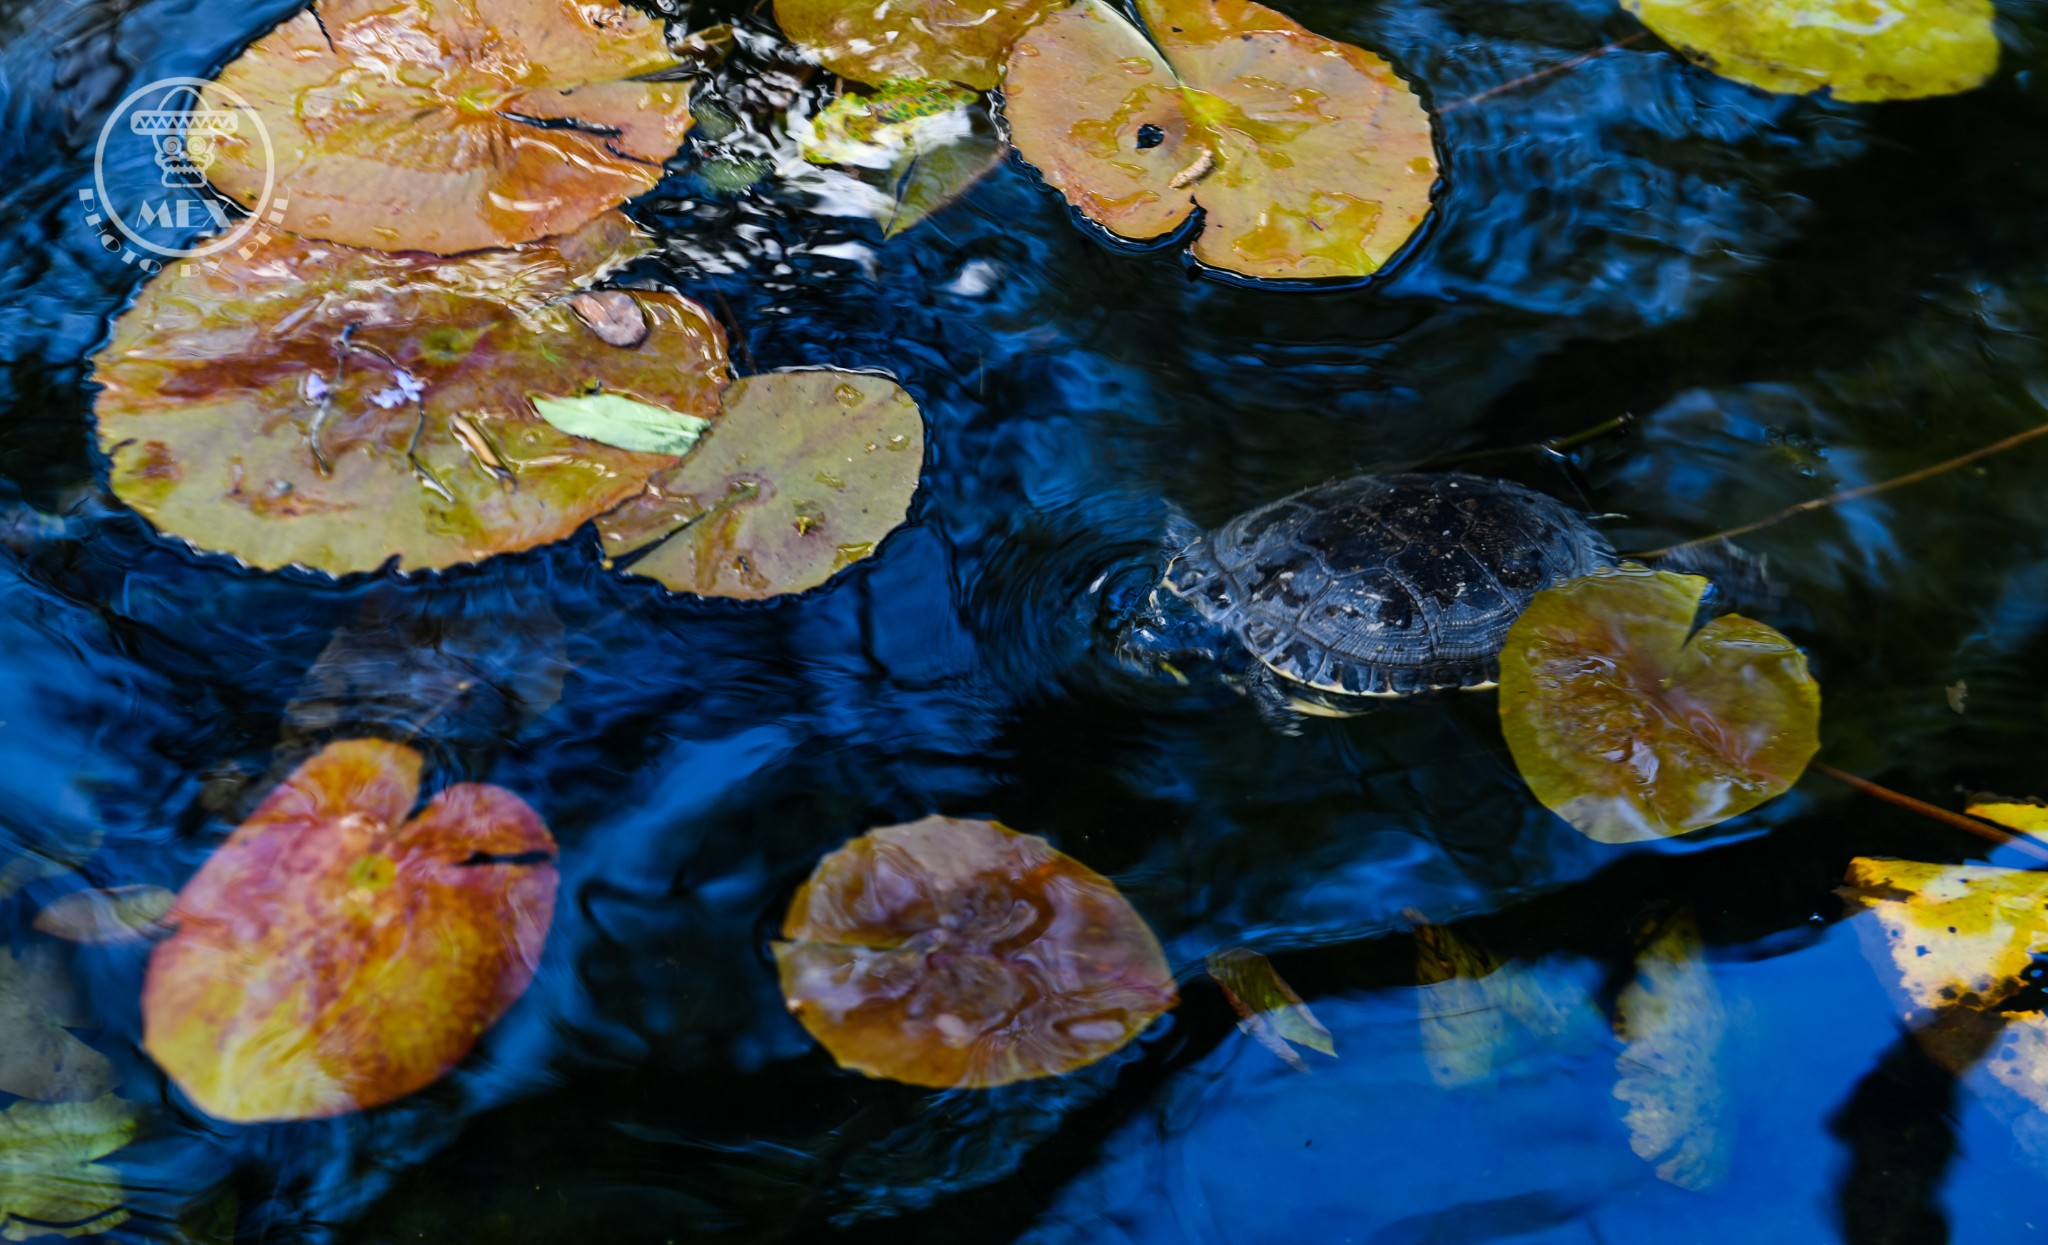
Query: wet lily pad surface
{"x": 1861, "y": 50}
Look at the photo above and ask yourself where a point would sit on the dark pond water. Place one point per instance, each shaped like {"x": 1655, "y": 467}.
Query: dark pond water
{"x": 1788, "y": 296}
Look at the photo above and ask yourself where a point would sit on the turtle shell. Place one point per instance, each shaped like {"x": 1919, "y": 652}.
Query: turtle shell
{"x": 1378, "y": 585}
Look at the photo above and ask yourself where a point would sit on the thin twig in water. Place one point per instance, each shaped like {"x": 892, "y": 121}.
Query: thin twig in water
{"x": 1835, "y": 499}
{"x": 1553, "y": 445}
{"x": 1982, "y": 829}
{"x": 1541, "y": 74}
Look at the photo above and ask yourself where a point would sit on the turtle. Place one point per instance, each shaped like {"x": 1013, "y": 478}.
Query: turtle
{"x": 1364, "y": 588}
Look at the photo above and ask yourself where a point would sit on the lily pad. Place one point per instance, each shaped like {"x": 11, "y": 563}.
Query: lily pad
{"x": 879, "y": 41}
{"x": 802, "y": 477}
{"x": 407, "y": 125}
{"x": 1309, "y": 158}
{"x": 311, "y": 404}
{"x": 336, "y": 953}
{"x": 1954, "y": 935}
{"x": 1630, "y": 726}
{"x": 1858, "y": 50}
{"x": 2026, "y": 816}
{"x": 49, "y": 1183}
{"x": 123, "y": 914}
{"x": 39, "y": 1056}
{"x": 961, "y": 953}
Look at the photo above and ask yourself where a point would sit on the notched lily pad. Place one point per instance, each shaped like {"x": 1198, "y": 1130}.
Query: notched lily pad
{"x": 1629, "y": 726}
{"x": 335, "y": 408}
{"x": 1309, "y": 158}
{"x": 1859, "y": 50}
{"x": 803, "y": 476}
{"x": 340, "y": 950}
{"x": 407, "y": 125}
{"x": 879, "y": 41}
{"x": 956, "y": 953}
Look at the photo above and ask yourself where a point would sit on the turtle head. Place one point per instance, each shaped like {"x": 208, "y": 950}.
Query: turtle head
{"x": 1152, "y": 629}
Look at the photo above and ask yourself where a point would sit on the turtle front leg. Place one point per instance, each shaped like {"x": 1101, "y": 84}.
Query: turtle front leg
{"x": 1272, "y": 701}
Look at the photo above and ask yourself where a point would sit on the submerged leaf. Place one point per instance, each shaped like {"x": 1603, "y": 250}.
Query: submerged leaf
{"x": 39, "y": 1058}
{"x": 1468, "y": 998}
{"x": 122, "y": 914}
{"x": 804, "y": 475}
{"x": 957, "y": 953}
{"x": 2025, "y": 816}
{"x": 1310, "y": 158}
{"x": 1956, "y": 935}
{"x": 873, "y": 130}
{"x": 335, "y": 954}
{"x": 49, "y": 1184}
{"x": 615, "y": 419}
{"x": 1673, "y": 1021}
{"x": 1630, "y": 726}
{"x": 880, "y": 41}
{"x": 1859, "y": 50}
{"x": 305, "y": 403}
{"x": 1268, "y": 1009}
{"x": 403, "y": 125}
{"x": 914, "y": 148}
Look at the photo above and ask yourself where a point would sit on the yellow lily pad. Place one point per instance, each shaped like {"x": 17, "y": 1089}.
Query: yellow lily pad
{"x": 1956, "y": 935}
{"x": 407, "y": 125}
{"x": 1858, "y": 50}
{"x": 802, "y": 477}
{"x": 1630, "y": 726}
{"x": 2025, "y": 816}
{"x": 1310, "y": 158}
{"x": 880, "y": 41}
{"x": 302, "y": 403}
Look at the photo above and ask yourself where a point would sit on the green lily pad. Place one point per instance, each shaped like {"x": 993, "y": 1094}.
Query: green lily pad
{"x": 312, "y": 404}
{"x": 1309, "y": 158}
{"x": 405, "y": 125}
{"x": 49, "y": 1183}
{"x": 624, "y": 422}
{"x": 880, "y": 41}
{"x": 1630, "y": 726}
{"x": 802, "y": 477}
{"x": 1858, "y": 50}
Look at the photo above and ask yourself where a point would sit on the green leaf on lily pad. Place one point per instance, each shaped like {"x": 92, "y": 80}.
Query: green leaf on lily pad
{"x": 407, "y": 125}
{"x": 624, "y": 422}
{"x": 1858, "y": 50}
{"x": 880, "y": 41}
{"x": 1631, "y": 726}
{"x": 1309, "y": 158}
{"x": 803, "y": 476}
{"x": 49, "y": 1183}
{"x": 304, "y": 403}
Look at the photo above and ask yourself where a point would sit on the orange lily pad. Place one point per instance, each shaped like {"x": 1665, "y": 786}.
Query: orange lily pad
{"x": 340, "y": 950}
{"x": 960, "y": 953}
{"x": 407, "y": 125}
{"x": 1631, "y": 726}
{"x": 802, "y": 477}
{"x": 1309, "y": 158}
{"x": 334, "y": 408}
{"x": 880, "y": 41}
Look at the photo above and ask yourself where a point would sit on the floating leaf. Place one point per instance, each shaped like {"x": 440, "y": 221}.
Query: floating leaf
{"x": 1672, "y": 1019}
{"x": 405, "y": 125}
{"x": 39, "y": 1058}
{"x": 49, "y": 1184}
{"x": 1630, "y": 730}
{"x": 915, "y": 146}
{"x": 804, "y": 475}
{"x": 1956, "y": 935}
{"x": 334, "y": 408}
{"x": 615, "y": 419}
{"x": 335, "y": 954}
{"x": 120, "y": 914}
{"x": 1267, "y": 1008}
{"x": 961, "y": 953}
{"x": 880, "y": 41}
{"x": 2025, "y": 816}
{"x": 1309, "y": 158}
{"x": 1861, "y": 50}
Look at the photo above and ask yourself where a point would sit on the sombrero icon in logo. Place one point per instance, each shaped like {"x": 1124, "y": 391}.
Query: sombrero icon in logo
{"x": 183, "y": 134}
{"x": 187, "y": 125}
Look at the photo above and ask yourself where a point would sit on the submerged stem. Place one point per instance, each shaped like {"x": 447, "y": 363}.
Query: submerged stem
{"x": 1835, "y": 499}
{"x": 1982, "y": 829}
